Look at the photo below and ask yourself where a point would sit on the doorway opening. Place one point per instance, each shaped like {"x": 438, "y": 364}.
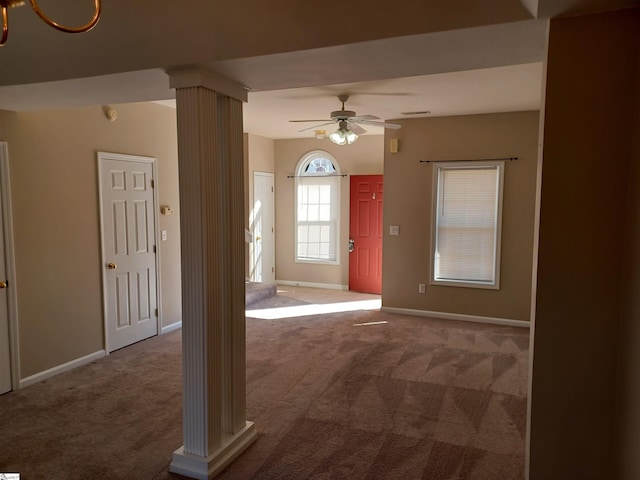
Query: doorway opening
{"x": 262, "y": 247}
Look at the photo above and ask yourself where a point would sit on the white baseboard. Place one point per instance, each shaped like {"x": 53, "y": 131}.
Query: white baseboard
{"x": 459, "y": 316}
{"x": 38, "y": 377}
{"x": 330, "y": 286}
{"x": 171, "y": 328}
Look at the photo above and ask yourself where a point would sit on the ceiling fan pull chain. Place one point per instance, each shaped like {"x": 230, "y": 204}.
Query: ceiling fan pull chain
{"x": 85, "y": 28}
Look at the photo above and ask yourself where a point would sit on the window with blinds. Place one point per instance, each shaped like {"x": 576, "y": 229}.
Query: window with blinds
{"x": 317, "y": 218}
{"x": 317, "y": 207}
{"x": 467, "y": 221}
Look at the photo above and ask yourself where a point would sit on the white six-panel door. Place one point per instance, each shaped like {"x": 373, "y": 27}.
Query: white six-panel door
{"x": 128, "y": 244}
{"x": 9, "y": 368}
{"x": 262, "y": 251}
{"x": 5, "y": 351}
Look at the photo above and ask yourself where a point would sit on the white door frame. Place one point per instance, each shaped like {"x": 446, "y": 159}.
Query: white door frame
{"x": 272, "y": 219}
{"x": 10, "y": 265}
{"x": 154, "y": 166}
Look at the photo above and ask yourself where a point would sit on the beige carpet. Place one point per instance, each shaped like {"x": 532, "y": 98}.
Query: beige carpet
{"x": 402, "y": 397}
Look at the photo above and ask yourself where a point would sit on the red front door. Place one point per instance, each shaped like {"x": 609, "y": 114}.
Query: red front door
{"x": 365, "y": 234}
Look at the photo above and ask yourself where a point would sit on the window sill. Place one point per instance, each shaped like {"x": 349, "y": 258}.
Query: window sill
{"x": 465, "y": 284}
{"x": 317, "y": 262}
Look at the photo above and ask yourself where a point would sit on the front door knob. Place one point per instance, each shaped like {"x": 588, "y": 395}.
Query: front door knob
{"x": 111, "y": 266}
{"x": 3, "y": 284}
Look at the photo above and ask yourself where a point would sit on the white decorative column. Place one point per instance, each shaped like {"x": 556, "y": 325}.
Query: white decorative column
{"x": 210, "y": 160}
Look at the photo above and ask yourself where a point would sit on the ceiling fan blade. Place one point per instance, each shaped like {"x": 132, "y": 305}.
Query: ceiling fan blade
{"x": 357, "y": 118}
{"x": 357, "y": 129}
{"x": 394, "y": 126}
{"x": 317, "y": 126}
{"x": 317, "y": 120}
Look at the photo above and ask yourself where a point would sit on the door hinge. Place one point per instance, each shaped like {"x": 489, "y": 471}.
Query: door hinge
{"x": 156, "y": 312}
{"x": 271, "y": 189}
{"x": 153, "y": 183}
{"x": 154, "y": 249}
{"x": 273, "y": 270}
{"x": 271, "y": 229}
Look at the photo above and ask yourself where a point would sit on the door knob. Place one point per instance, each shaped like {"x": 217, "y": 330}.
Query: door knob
{"x": 3, "y": 284}
{"x": 258, "y": 239}
{"x": 352, "y": 245}
{"x": 111, "y": 266}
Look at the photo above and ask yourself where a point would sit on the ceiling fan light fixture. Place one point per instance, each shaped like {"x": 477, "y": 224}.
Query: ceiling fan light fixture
{"x": 338, "y": 137}
{"x": 350, "y": 136}
{"x": 348, "y": 124}
{"x": 343, "y": 135}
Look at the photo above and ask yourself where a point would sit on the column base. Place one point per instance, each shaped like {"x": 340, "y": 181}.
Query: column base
{"x": 205, "y": 468}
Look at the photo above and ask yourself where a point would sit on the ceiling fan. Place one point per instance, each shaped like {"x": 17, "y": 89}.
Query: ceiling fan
{"x": 348, "y": 123}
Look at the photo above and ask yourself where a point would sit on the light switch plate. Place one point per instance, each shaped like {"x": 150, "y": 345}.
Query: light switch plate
{"x": 394, "y": 230}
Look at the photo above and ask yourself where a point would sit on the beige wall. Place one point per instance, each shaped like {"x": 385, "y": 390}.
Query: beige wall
{"x": 260, "y": 158}
{"x": 361, "y": 158}
{"x": 7, "y": 120}
{"x": 52, "y": 156}
{"x": 408, "y": 198}
{"x": 588, "y": 129}
{"x": 261, "y": 152}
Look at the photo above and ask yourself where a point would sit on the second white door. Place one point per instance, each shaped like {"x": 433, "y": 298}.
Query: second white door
{"x": 263, "y": 247}
{"x": 5, "y": 350}
{"x": 129, "y": 244}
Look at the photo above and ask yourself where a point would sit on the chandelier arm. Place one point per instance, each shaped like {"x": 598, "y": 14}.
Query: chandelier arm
{"x": 85, "y": 28}
{"x": 5, "y": 25}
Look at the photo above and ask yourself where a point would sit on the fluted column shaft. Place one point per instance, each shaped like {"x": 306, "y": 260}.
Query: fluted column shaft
{"x": 234, "y": 354}
{"x": 210, "y": 160}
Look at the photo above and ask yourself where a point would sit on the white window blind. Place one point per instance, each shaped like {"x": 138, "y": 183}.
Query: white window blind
{"x": 467, "y": 224}
{"x": 317, "y": 209}
{"x": 317, "y": 218}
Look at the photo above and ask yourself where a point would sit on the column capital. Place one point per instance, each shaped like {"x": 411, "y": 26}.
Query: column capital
{"x": 185, "y": 77}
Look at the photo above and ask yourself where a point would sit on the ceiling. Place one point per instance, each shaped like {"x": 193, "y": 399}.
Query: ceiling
{"x": 499, "y": 89}
{"x": 469, "y": 56}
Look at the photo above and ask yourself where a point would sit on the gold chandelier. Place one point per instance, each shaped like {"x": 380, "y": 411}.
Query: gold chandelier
{"x": 6, "y": 4}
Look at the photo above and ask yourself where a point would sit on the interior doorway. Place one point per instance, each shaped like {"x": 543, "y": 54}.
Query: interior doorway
{"x": 129, "y": 262}
{"x": 262, "y": 250}
{"x": 365, "y": 233}
{"x": 9, "y": 374}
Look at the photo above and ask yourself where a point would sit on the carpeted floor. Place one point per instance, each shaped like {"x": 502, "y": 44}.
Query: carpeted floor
{"x": 354, "y": 395}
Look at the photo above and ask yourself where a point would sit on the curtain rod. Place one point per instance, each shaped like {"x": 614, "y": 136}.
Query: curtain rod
{"x": 470, "y": 160}
{"x": 311, "y": 176}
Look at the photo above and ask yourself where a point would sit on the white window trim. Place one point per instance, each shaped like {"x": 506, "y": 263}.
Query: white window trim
{"x": 434, "y": 228}
{"x": 300, "y": 167}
